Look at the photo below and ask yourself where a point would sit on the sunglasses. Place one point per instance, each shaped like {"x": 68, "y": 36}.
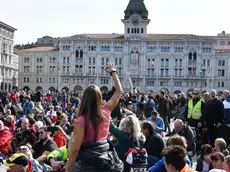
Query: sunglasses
{"x": 21, "y": 149}
{"x": 41, "y": 132}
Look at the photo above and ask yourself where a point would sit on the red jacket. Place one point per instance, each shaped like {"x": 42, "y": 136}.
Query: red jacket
{"x": 11, "y": 127}
{"x": 5, "y": 141}
{"x": 59, "y": 139}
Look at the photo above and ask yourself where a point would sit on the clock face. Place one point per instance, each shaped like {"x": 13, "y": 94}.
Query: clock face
{"x": 135, "y": 21}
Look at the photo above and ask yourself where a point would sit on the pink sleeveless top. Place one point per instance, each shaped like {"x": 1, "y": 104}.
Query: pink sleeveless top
{"x": 103, "y": 129}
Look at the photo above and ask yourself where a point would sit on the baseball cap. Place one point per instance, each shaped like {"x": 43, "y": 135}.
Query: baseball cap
{"x": 16, "y": 159}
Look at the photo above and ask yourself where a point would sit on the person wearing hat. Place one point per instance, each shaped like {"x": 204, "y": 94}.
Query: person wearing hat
{"x": 194, "y": 113}
{"x": 157, "y": 120}
{"x": 18, "y": 163}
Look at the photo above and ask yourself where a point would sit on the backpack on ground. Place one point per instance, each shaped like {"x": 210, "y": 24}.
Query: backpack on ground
{"x": 136, "y": 158}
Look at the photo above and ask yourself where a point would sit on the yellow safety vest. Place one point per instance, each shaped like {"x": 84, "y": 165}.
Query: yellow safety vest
{"x": 194, "y": 112}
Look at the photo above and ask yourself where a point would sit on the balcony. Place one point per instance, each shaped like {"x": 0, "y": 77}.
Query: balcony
{"x": 192, "y": 62}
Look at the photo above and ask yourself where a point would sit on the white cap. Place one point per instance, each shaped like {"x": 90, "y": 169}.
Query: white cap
{"x": 39, "y": 124}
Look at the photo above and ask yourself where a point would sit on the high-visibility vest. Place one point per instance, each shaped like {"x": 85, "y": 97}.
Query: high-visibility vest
{"x": 194, "y": 112}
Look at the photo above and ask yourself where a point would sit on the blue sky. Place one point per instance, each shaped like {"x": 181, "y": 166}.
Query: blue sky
{"x": 55, "y": 18}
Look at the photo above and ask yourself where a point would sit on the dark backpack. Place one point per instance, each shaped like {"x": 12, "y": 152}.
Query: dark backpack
{"x": 136, "y": 158}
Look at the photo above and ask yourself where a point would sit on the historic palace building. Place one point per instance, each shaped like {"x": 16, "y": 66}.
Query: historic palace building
{"x": 146, "y": 61}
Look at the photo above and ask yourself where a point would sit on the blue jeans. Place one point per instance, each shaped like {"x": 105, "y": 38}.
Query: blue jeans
{"x": 152, "y": 160}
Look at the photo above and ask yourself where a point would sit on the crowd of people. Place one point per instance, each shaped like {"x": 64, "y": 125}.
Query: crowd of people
{"x": 114, "y": 131}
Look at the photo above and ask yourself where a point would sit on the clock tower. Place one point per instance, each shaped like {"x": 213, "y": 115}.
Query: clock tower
{"x": 136, "y": 19}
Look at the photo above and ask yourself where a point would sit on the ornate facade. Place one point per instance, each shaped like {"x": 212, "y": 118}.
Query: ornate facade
{"x": 8, "y": 59}
{"x": 151, "y": 61}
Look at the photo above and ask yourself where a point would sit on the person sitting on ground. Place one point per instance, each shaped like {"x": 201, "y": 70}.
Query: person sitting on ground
{"x": 185, "y": 131}
{"x": 154, "y": 143}
{"x": 24, "y": 135}
{"x": 204, "y": 163}
{"x": 217, "y": 161}
{"x": 18, "y": 162}
{"x": 221, "y": 146}
{"x": 58, "y": 158}
{"x": 158, "y": 121}
{"x": 174, "y": 140}
{"x": 5, "y": 140}
{"x": 175, "y": 159}
{"x": 128, "y": 132}
{"x": 227, "y": 163}
{"x": 44, "y": 146}
{"x": 9, "y": 123}
{"x": 35, "y": 164}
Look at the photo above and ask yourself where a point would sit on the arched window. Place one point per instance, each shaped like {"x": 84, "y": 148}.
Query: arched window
{"x": 116, "y": 61}
{"x": 89, "y": 48}
{"x": 132, "y": 30}
{"x": 208, "y": 63}
{"x": 162, "y": 49}
{"x": 102, "y": 48}
{"x": 138, "y": 30}
{"x": 94, "y": 48}
{"x": 77, "y": 53}
{"x": 121, "y": 48}
{"x": 151, "y": 49}
{"x": 165, "y": 49}
{"x": 190, "y": 56}
{"x": 194, "y": 55}
{"x": 64, "y": 60}
{"x": 142, "y": 30}
{"x": 81, "y": 53}
{"x": 108, "y": 48}
{"x": 219, "y": 63}
{"x": 176, "y": 49}
{"x": 168, "y": 49}
{"x": 69, "y": 48}
{"x": 182, "y": 49}
{"x": 203, "y": 49}
{"x": 206, "y": 50}
{"x": 223, "y": 62}
{"x": 135, "y": 30}
{"x": 63, "y": 48}
{"x": 128, "y": 31}
{"x": 209, "y": 49}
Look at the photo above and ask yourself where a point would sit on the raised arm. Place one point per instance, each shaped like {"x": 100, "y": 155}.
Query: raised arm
{"x": 113, "y": 101}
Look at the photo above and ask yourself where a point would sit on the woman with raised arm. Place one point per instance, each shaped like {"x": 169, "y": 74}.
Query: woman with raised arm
{"x": 91, "y": 130}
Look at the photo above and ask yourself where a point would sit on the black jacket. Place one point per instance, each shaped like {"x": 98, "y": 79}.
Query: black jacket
{"x": 98, "y": 156}
{"x": 214, "y": 112}
{"x": 189, "y": 135}
{"x": 154, "y": 145}
{"x": 199, "y": 166}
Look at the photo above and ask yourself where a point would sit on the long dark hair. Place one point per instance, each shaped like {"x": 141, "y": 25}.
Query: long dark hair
{"x": 90, "y": 108}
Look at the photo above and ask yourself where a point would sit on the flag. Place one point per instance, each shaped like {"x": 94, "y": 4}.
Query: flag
{"x": 153, "y": 64}
{"x": 194, "y": 68}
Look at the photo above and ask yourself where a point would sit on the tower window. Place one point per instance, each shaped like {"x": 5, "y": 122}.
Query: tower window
{"x": 132, "y": 30}
{"x": 138, "y": 30}
{"x": 128, "y": 30}
{"x": 142, "y": 30}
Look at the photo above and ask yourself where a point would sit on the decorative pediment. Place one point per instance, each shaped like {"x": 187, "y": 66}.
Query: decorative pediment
{"x": 193, "y": 38}
{"x": 79, "y": 37}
